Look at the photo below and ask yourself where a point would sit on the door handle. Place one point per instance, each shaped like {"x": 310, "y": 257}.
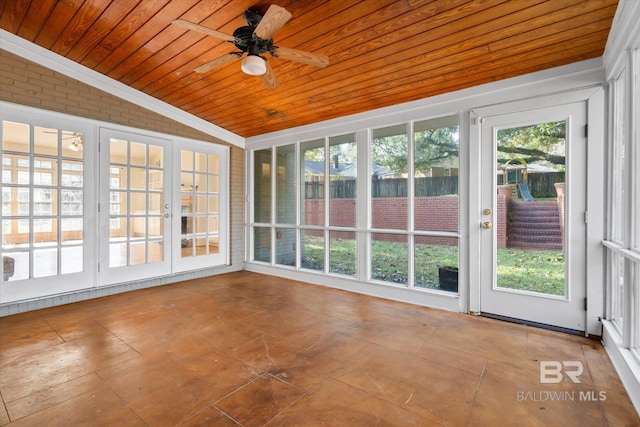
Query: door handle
{"x": 486, "y": 225}
{"x": 166, "y": 206}
{"x": 166, "y": 215}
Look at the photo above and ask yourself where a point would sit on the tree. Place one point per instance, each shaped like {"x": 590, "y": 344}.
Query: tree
{"x": 541, "y": 143}
{"x": 432, "y": 147}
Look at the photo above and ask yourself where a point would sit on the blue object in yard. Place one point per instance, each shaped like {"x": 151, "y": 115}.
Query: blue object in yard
{"x": 524, "y": 192}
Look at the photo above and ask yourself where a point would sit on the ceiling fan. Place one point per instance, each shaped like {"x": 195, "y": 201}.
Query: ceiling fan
{"x": 255, "y": 39}
{"x": 75, "y": 137}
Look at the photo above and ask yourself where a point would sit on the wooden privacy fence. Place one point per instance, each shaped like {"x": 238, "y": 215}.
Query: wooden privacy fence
{"x": 540, "y": 185}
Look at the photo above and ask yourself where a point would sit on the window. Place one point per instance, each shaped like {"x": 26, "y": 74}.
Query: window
{"x": 42, "y": 210}
{"x": 311, "y": 190}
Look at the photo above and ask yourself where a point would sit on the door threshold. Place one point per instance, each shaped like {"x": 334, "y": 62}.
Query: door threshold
{"x": 534, "y": 324}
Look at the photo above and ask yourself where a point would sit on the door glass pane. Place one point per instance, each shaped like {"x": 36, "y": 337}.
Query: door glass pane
{"x": 436, "y": 167}
{"x": 342, "y": 180}
{"x": 389, "y": 258}
{"x": 530, "y": 208}
{"x": 312, "y": 171}
{"x": 135, "y": 221}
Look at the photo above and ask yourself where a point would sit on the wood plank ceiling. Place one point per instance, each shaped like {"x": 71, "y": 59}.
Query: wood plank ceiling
{"x": 382, "y": 52}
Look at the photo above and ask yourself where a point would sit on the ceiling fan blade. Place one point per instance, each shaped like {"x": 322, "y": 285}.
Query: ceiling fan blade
{"x": 269, "y": 78}
{"x": 202, "y": 29}
{"x": 207, "y": 66}
{"x": 301, "y": 56}
{"x": 272, "y": 21}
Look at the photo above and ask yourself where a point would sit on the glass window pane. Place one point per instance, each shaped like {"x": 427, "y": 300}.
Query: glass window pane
{"x": 214, "y": 204}
{"x": 342, "y": 180}
{"x": 138, "y": 154}
{"x": 45, "y": 141}
{"x": 156, "y": 180}
{"x": 45, "y": 262}
{"x": 156, "y": 156}
{"x": 137, "y": 253}
{"x": 262, "y": 186}
{"x": 200, "y": 180}
{"x": 138, "y": 203}
{"x": 72, "y": 202}
{"x": 436, "y": 169}
{"x": 214, "y": 163}
{"x": 436, "y": 263}
{"x": 389, "y": 154}
{"x": 72, "y": 174}
{"x": 201, "y": 224}
{"x": 186, "y": 160}
{"x": 389, "y": 258}
{"x": 155, "y": 251}
{"x": 155, "y": 203}
{"x": 201, "y": 162}
{"x": 15, "y": 137}
{"x": 71, "y": 260}
{"x": 312, "y": 160}
{"x": 342, "y": 253}
{"x": 72, "y": 230}
{"x": 214, "y": 184}
{"x": 312, "y": 249}
{"x": 201, "y": 203}
{"x": 15, "y": 266}
{"x": 286, "y": 246}
{"x": 138, "y": 178}
{"x": 45, "y": 232}
{"x": 262, "y": 244}
{"x": 72, "y": 144}
{"x": 117, "y": 254}
{"x": 285, "y": 185}
{"x": 118, "y": 151}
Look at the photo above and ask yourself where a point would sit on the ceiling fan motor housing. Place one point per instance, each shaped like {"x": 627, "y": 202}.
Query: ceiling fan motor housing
{"x": 247, "y": 41}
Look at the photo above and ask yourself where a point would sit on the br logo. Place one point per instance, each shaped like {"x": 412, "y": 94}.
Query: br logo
{"x": 553, "y": 372}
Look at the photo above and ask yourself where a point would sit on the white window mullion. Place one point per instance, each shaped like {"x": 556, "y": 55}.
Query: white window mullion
{"x": 363, "y": 204}
{"x": 411, "y": 204}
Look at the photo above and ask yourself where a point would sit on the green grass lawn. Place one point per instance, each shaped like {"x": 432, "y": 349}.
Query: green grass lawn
{"x": 529, "y": 270}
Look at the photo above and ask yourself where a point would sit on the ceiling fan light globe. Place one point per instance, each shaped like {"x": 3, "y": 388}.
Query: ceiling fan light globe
{"x": 254, "y": 65}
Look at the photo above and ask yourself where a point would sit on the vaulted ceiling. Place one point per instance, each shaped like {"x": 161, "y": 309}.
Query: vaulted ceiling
{"x": 381, "y": 52}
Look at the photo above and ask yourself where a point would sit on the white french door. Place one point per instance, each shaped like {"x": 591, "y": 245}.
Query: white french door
{"x": 135, "y": 207}
{"x": 533, "y": 248}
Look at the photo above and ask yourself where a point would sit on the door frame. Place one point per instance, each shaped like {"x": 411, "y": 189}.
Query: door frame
{"x": 595, "y": 167}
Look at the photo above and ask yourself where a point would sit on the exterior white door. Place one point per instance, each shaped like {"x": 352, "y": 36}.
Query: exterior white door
{"x": 532, "y": 216}
{"x": 135, "y": 207}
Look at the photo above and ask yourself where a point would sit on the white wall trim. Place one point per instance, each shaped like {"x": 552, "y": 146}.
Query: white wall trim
{"x": 625, "y": 364}
{"x": 624, "y": 34}
{"x": 46, "y": 58}
{"x": 431, "y": 299}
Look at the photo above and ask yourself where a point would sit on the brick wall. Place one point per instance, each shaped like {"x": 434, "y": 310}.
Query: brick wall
{"x": 27, "y": 83}
{"x": 439, "y": 213}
